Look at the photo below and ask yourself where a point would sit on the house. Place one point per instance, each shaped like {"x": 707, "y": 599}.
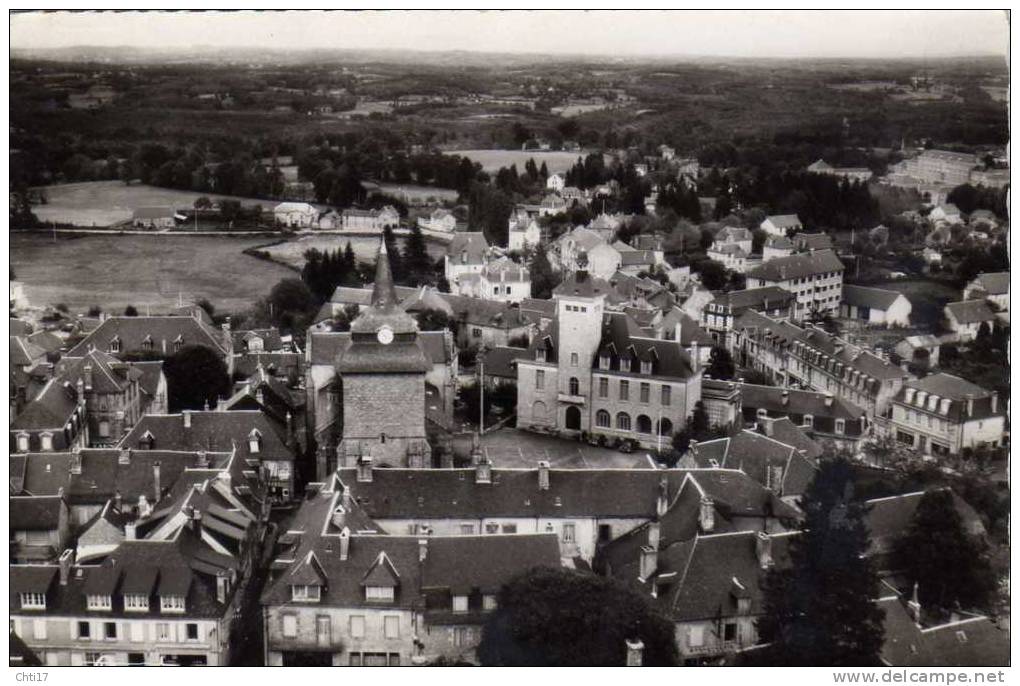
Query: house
{"x": 369, "y": 221}
{"x": 331, "y": 220}
{"x": 585, "y": 249}
{"x": 939, "y": 166}
{"x": 502, "y": 280}
{"x": 439, "y": 220}
{"x": 943, "y": 414}
{"x": 889, "y": 519}
{"x": 946, "y": 213}
{"x": 722, "y": 310}
{"x": 730, "y": 256}
{"x": 343, "y": 592}
{"x": 593, "y": 372}
{"x": 573, "y": 196}
{"x": 816, "y": 278}
{"x": 296, "y": 215}
{"x": 992, "y": 286}
{"x": 734, "y": 235}
{"x": 556, "y": 182}
{"x": 466, "y": 254}
{"x": 781, "y": 224}
{"x": 966, "y": 317}
{"x": 850, "y": 173}
{"x": 814, "y": 359}
{"x": 40, "y": 527}
{"x": 487, "y": 323}
{"x": 54, "y": 420}
{"x": 523, "y": 230}
{"x": 156, "y": 335}
{"x": 552, "y": 204}
{"x": 154, "y": 218}
{"x": 776, "y": 246}
{"x": 875, "y": 306}
{"x": 967, "y": 641}
{"x": 634, "y": 261}
{"x": 806, "y": 242}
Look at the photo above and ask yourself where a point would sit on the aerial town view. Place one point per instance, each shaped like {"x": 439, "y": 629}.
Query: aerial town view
{"x": 550, "y": 339}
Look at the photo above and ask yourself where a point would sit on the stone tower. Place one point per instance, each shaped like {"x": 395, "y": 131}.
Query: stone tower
{"x": 382, "y": 370}
{"x": 580, "y": 303}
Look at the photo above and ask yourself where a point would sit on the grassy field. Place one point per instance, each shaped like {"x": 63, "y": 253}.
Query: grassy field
{"x": 492, "y": 160}
{"x": 116, "y": 271}
{"x": 365, "y": 247}
{"x": 102, "y": 203}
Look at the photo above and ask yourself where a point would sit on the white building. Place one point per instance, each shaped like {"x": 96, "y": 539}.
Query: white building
{"x": 875, "y": 306}
{"x": 502, "y": 280}
{"x": 781, "y": 224}
{"x": 438, "y": 220}
{"x": 556, "y": 182}
{"x": 466, "y": 254}
{"x": 370, "y": 221}
{"x": 815, "y": 277}
{"x": 296, "y": 215}
{"x": 992, "y": 286}
{"x": 524, "y": 231}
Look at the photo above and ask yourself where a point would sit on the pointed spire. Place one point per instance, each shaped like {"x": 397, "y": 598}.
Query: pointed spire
{"x": 383, "y": 293}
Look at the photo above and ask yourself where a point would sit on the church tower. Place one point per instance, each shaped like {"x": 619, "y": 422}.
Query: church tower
{"x": 382, "y": 369}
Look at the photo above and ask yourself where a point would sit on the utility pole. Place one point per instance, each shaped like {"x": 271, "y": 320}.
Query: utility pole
{"x": 481, "y": 392}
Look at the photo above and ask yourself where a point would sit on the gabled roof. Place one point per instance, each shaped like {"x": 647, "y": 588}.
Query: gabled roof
{"x": 51, "y": 409}
{"x": 46, "y": 340}
{"x": 582, "y": 284}
{"x": 35, "y": 513}
{"x": 971, "y": 642}
{"x": 381, "y": 573}
{"x": 784, "y": 221}
{"x": 754, "y": 454}
{"x": 487, "y": 562}
{"x": 797, "y": 402}
{"x": 133, "y": 331}
{"x": 307, "y": 572}
{"x": 993, "y": 283}
{"x": 754, "y": 298}
{"x": 24, "y": 352}
{"x": 797, "y": 266}
{"x": 467, "y": 247}
{"x": 813, "y": 241}
{"x": 874, "y": 298}
{"x": 970, "y": 311}
{"x": 212, "y": 430}
{"x": 154, "y": 213}
{"x": 584, "y": 239}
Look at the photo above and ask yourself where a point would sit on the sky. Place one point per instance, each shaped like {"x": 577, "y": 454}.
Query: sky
{"x": 878, "y": 34}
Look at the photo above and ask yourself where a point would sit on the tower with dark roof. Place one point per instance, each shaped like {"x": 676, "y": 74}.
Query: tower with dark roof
{"x": 382, "y": 376}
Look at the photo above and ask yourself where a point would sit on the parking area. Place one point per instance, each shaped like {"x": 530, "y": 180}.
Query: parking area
{"x": 509, "y": 448}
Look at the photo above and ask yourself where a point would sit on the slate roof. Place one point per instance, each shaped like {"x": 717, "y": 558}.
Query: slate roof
{"x": 798, "y": 402}
{"x": 212, "y": 431}
{"x": 486, "y": 562}
{"x": 133, "y": 331}
{"x": 970, "y": 311}
{"x": 888, "y": 519}
{"x": 18, "y": 327}
{"x": 874, "y": 298}
{"x": 109, "y": 375}
{"x": 582, "y": 284}
{"x": 46, "y": 340}
{"x": 753, "y": 453}
{"x": 635, "y": 258}
{"x": 797, "y": 266}
{"x": 467, "y": 247}
{"x": 779, "y": 242}
{"x": 325, "y": 346}
{"x": 733, "y": 234}
{"x": 270, "y": 338}
{"x": 993, "y": 283}
{"x": 501, "y": 361}
{"x": 753, "y": 298}
{"x": 813, "y": 241}
{"x": 584, "y": 239}
{"x": 622, "y": 335}
{"x": 784, "y": 221}
{"x": 24, "y": 352}
{"x": 51, "y": 409}
{"x": 971, "y": 642}
{"x": 280, "y": 364}
{"x": 35, "y": 513}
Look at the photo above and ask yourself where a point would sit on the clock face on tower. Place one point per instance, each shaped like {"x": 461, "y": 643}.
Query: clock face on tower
{"x": 385, "y": 335}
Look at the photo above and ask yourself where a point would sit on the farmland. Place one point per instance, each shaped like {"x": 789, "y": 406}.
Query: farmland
{"x": 492, "y": 160}
{"x": 104, "y": 203}
{"x": 116, "y": 271}
{"x": 365, "y": 247}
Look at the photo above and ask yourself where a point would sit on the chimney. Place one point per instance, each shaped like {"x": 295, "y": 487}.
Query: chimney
{"x": 221, "y": 404}
{"x": 662, "y": 503}
{"x": 226, "y": 325}
{"x": 346, "y": 498}
{"x": 125, "y": 456}
{"x": 786, "y": 397}
{"x": 483, "y": 471}
{"x": 914, "y": 607}
{"x": 695, "y": 356}
{"x": 345, "y": 544}
{"x": 829, "y": 399}
{"x": 763, "y": 549}
{"x": 649, "y": 562}
{"x": 76, "y": 460}
{"x": 423, "y": 549}
{"x": 118, "y": 501}
{"x": 775, "y": 478}
{"x": 635, "y": 653}
{"x": 678, "y": 331}
{"x": 66, "y": 560}
{"x": 221, "y": 588}
{"x": 290, "y": 424}
{"x": 155, "y": 481}
{"x": 692, "y": 448}
{"x": 768, "y": 425}
{"x": 338, "y": 517}
{"x": 203, "y": 458}
{"x": 970, "y": 404}
{"x": 543, "y": 475}
{"x": 260, "y": 396}
{"x": 196, "y": 521}
{"x": 88, "y": 377}
{"x": 654, "y": 534}
{"x": 365, "y": 470}
{"x": 995, "y": 402}
{"x": 706, "y": 515}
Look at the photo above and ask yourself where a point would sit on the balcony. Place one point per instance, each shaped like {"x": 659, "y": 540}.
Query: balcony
{"x": 570, "y": 399}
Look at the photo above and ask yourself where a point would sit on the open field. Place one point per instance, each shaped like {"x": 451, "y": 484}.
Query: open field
{"x": 102, "y": 203}
{"x": 365, "y": 247}
{"x": 415, "y": 195}
{"x": 492, "y": 160}
{"x": 116, "y": 271}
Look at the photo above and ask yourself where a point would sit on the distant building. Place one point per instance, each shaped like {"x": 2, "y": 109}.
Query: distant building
{"x": 585, "y": 249}
{"x": 523, "y": 230}
{"x": 992, "y": 286}
{"x": 946, "y": 213}
{"x": 851, "y": 173}
{"x": 776, "y": 246}
{"x": 371, "y": 221}
{"x": 154, "y": 218}
{"x": 720, "y": 313}
{"x": 466, "y": 254}
{"x": 939, "y": 166}
{"x": 816, "y": 278}
{"x": 966, "y": 317}
{"x": 501, "y": 280}
{"x": 781, "y": 224}
{"x": 296, "y": 215}
{"x": 875, "y": 306}
{"x": 555, "y": 182}
{"x": 438, "y": 220}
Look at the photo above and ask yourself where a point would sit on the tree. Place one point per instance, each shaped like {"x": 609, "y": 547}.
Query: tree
{"x": 195, "y": 376}
{"x": 95, "y": 311}
{"x": 290, "y": 295}
{"x": 951, "y": 568}
{"x": 203, "y": 203}
{"x": 701, "y": 428}
{"x": 819, "y": 609}
{"x": 543, "y": 615}
{"x": 543, "y": 280}
{"x": 433, "y": 320}
{"x": 209, "y": 308}
{"x": 130, "y": 311}
{"x": 713, "y": 274}
{"x": 417, "y": 263}
{"x": 720, "y": 364}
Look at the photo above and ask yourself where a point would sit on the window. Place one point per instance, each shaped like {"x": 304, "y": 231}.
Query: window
{"x": 604, "y": 361}
{"x": 379, "y": 593}
{"x": 39, "y": 629}
{"x": 33, "y": 601}
{"x": 391, "y": 626}
{"x": 94, "y": 659}
{"x": 22, "y": 443}
{"x": 99, "y": 602}
{"x": 540, "y": 379}
{"x": 730, "y": 631}
{"x": 136, "y": 659}
{"x": 492, "y": 528}
{"x": 147, "y": 343}
{"x": 696, "y": 636}
{"x": 809, "y": 420}
{"x": 461, "y": 636}
{"x": 840, "y": 426}
{"x": 476, "y": 332}
{"x": 104, "y": 429}
{"x": 624, "y": 390}
{"x": 568, "y": 532}
{"x": 467, "y": 529}
{"x": 177, "y": 344}
{"x": 509, "y": 528}
{"x": 255, "y": 442}
{"x": 623, "y": 421}
{"x": 488, "y": 602}
{"x": 84, "y": 630}
{"x": 191, "y": 631}
{"x": 305, "y": 593}
{"x": 290, "y": 626}
{"x": 110, "y": 631}
{"x": 163, "y": 631}
{"x": 602, "y": 419}
{"x": 357, "y": 626}
{"x": 47, "y": 442}
{"x": 646, "y": 367}
{"x": 646, "y": 392}
{"x": 495, "y": 290}
{"x": 115, "y": 345}
{"x": 573, "y": 359}
{"x": 603, "y": 388}
{"x": 666, "y": 395}
{"x": 137, "y": 632}
{"x": 574, "y": 386}
{"x": 171, "y": 603}
{"x": 460, "y": 603}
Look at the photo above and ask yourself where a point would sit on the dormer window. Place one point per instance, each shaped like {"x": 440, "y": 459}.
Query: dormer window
{"x": 625, "y": 365}
{"x": 136, "y": 602}
{"x": 809, "y": 420}
{"x": 33, "y": 601}
{"x": 646, "y": 366}
{"x": 178, "y": 344}
{"x": 147, "y": 343}
{"x": 255, "y": 343}
{"x": 147, "y": 441}
{"x": 379, "y": 594}
{"x": 604, "y": 361}
{"x": 171, "y": 603}
{"x": 840, "y": 426}
{"x": 460, "y": 603}
{"x": 22, "y": 443}
{"x": 47, "y": 441}
{"x": 255, "y": 442}
{"x": 99, "y": 602}
{"x": 488, "y": 602}
{"x": 540, "y": 355}
{"x": 115, "y": 344}
{"x": 305, "y": 594}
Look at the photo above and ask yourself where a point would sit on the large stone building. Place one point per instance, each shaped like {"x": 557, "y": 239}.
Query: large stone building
{"x": 597, "y": 373}
{"x": 815, "y": 277}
